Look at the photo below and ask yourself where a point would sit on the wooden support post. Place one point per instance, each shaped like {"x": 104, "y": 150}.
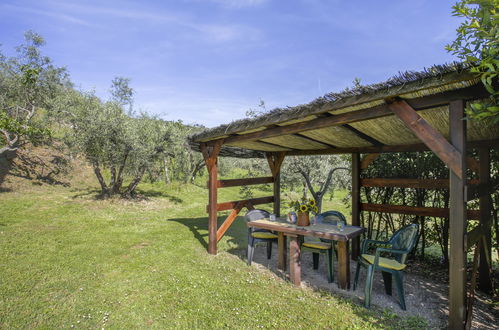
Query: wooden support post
{"x": 485, "y": 279}
{"x": 281, "y": 251}
{"x": 275, "y": 161}
{"x": 210, "y": 155}
{"x": 343, "y": 265}
{"x": 294, "y": 260}
{"x": 355, "y": 202}
{"x": 457, "y": 218}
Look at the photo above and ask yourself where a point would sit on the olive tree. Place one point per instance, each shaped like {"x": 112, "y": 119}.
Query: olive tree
{"x": 316, "y": 174}
{"x": 29, "y": 82}
{"x": 117, "y": 145}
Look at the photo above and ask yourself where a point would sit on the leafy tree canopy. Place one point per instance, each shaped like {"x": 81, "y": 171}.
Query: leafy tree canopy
{"x": 477, "y": 43}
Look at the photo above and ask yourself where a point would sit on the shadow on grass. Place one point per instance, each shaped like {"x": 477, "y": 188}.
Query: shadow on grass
{"x": 157, "y": 193}
{"x": 199, "y": 228}
{"x": 96, "y": 194}
{"x": 2, "y": 190}
{"x": 88, "y": 192}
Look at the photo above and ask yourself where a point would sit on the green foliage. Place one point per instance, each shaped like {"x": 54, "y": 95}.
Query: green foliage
{"x": 113, "y": 141}
{"x": 29, "y": 83}
{"x": 477, "y": 43}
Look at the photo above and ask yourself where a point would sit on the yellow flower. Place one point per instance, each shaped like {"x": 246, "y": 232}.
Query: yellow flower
{"x": 303, "y": 208}
{"x": 312, "y": 202}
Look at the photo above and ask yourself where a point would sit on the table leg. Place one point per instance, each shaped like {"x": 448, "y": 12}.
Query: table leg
{"x": 294, "y": 260}
{"x": 343, "y": 265}
{"x": 281, "y": 248}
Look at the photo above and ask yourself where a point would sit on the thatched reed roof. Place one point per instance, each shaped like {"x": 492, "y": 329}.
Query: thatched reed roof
{"x": 430, "y": 91}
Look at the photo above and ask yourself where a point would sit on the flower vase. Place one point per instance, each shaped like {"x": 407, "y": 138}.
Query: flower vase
{"x": 303, "y": 219}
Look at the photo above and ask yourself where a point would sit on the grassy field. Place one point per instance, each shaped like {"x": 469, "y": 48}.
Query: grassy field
{"x": 68, "y": 260}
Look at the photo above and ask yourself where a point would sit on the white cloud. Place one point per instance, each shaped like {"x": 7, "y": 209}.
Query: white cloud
{"x": 208, "y": 31}
{"x": 58, "y": 16}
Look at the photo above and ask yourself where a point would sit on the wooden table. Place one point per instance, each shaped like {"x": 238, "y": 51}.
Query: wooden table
{"x": 293, "y": 231}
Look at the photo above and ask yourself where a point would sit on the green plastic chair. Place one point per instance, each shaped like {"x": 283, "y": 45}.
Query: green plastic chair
{"x": 398, "y": 247}
{"x": 257, "y": 235}
{"x": 324, "y": 246}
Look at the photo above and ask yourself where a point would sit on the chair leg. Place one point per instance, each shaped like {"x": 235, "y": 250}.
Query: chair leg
{"x": 251, "y": 249}
{"x": 369, "y": 286}
{"x": 399, "y": 280}
{"x": 357, "y": 272}
{"x": 387, "y": 279}
{"x": 269, "y": 249}
{"x": 315, "y": 257}
{"x": 330, "y": 265}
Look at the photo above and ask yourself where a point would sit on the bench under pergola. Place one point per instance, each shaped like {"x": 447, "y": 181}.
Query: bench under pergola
{"x": 412, "y": 112}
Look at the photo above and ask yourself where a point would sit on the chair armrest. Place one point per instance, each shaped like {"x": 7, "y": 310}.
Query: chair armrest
{"x": 367, "y": 242}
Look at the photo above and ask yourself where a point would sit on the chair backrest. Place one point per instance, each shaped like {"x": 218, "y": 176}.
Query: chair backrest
{"x": 405, "y": 239}
{"x": 256, "y": 214}
{"x": 330, "y": 217}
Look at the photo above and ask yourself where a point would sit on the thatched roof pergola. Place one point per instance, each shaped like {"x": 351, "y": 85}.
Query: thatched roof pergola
{"x": 413, "y": 111}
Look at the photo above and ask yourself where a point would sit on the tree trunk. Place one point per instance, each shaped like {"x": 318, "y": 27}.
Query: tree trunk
{"x": 199, "y": 166}
{"x": 130, "y": 190}
{"x": 112, "y": 183}
{"x": 320, "y": 194}
{"x": 167, "y": 173}
{"x": 119, "y": 177}
{"x": 98, "y": 174}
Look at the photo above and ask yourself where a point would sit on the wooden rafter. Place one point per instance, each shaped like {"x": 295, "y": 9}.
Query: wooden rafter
{"x": 429, "y": 135}
{"x": 315, "y": 140}
{"x": 275, "y": 145}
{"x": 363, "y": 135}
{"x": 384, "y": 149}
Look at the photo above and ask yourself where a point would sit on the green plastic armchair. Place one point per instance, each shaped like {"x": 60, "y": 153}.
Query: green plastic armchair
{"x": 257, "y": 235}
{"x": 396, "y": 250}
{"x": 324, "y": 246}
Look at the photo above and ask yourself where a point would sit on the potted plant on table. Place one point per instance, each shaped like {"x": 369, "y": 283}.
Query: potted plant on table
{"x": 302, "y": 208}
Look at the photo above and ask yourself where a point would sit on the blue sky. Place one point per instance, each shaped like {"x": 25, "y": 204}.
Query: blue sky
{"x": 208, "y": 61}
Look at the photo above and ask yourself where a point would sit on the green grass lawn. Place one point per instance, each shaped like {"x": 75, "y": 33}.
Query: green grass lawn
{"x": 69, "y": 260}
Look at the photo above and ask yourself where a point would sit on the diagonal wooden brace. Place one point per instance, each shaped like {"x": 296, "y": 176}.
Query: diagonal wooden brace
{"x": 230, "y": 219}
{"x": 428, "y": 135}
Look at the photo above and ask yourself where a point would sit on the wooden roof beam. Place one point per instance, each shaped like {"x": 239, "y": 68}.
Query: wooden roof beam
{"x": 419, "y": 103}
{"x": 386, "y": 148}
